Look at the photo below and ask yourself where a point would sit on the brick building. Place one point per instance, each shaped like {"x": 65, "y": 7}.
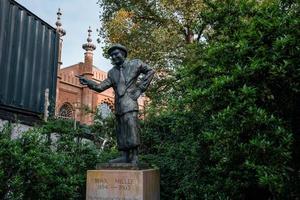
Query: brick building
{"x": 74, "y": 100}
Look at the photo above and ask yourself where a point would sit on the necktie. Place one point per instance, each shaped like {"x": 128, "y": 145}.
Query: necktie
{"x": 121, "y": 85}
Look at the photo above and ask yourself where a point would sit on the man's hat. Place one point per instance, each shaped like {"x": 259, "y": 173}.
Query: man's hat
{"x": 117, "y": 46}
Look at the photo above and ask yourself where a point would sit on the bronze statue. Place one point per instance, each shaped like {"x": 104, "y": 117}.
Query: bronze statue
{"x": 123, "y": 77}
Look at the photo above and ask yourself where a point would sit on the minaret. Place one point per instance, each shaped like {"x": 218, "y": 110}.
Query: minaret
{"x": 61, "y": 32}
{"x": 87, "y": 71}
{"x": 89, "y": 47}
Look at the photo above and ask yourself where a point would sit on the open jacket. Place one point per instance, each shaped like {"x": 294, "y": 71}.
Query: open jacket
{"x": 132, "y": 70}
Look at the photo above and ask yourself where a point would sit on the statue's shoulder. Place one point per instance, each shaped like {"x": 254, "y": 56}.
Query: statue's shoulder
{"x": 134, "y": 62}
{"x": 111, "y": 71}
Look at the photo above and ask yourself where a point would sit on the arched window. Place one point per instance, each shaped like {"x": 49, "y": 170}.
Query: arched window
{"x": 66, "y": 111}
{"x": 105, "y": 110}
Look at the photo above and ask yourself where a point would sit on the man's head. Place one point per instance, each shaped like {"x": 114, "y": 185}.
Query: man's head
{"x": 118, "y": 53}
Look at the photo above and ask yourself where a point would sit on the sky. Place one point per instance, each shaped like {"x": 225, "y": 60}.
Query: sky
{"x": 77, "y": 16}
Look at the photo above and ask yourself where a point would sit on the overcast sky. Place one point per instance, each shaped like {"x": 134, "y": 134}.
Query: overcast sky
{"x": 77, "y": 16}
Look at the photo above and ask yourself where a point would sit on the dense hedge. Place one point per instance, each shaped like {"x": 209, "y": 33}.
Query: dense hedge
{"x": 231, "y": 130}
{"x": 33, "y": 167}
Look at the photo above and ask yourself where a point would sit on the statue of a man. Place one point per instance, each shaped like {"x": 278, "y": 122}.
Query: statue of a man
{"x": 123, "y": 77}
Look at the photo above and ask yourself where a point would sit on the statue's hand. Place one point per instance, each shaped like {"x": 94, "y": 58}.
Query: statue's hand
{"x": 83, "y": 80}
{"x": 137, "y": 94}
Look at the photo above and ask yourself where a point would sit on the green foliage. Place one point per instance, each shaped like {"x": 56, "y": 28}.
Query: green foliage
{"x": 156, "y": 32}
{"x": 165, "y": 26}
{"x": 33, "y": 168}
{"x": 231, "y": 127}
{"x": 103, "y": 130}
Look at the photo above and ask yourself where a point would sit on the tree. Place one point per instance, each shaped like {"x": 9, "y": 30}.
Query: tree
{"x": 231, "y": 131}
{"x": 157, "y": 32}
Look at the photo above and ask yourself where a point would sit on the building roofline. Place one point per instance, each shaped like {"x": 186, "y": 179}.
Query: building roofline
{"x": 95, "y": 67}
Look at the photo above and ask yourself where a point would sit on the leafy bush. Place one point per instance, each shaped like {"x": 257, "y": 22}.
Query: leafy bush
{"x": 33, "y": 168}
{"x": 231, "y": 128}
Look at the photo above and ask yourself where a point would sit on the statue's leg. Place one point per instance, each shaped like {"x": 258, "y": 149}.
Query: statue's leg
{"x": 134, "y": 156}
{"x": 121, "y": 142}
{"x": 126, "y": 154}
{"x": 123, "y": 159}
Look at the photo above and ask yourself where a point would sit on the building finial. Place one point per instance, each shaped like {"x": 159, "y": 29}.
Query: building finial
{"x": 58, "y": 24}
{"x": 89, "y": 46}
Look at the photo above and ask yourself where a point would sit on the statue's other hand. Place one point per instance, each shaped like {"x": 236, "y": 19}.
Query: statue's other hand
{"x": 83, "y": 81}
{"x": 137, "y": 94}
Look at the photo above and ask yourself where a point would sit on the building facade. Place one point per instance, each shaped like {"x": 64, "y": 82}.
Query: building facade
{"x": 76, "y": 101}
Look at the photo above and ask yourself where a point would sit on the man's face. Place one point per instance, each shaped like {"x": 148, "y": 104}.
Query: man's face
{"x": 117, "y": 57}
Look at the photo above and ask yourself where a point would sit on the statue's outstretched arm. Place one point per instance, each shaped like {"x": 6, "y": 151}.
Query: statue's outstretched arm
{"x": 105, "y": 84}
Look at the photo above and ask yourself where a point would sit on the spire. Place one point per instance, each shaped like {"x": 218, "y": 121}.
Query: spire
{"x": 58, "y": 24}
{"x": 89, "y": 46}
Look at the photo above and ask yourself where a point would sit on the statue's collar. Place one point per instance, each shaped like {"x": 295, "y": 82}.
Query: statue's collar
{"x": 123, "y": 65}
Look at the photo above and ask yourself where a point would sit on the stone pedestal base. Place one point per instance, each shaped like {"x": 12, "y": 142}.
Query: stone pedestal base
{"x": 116, "y": 184}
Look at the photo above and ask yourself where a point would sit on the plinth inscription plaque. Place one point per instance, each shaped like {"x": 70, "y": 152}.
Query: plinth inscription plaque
{"x": 122, "y": 185}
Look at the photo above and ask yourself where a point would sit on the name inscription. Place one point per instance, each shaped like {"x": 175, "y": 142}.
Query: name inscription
{"x": 111, "y": 185}
{"x": 109, "y": 198}
{"x": 120, "y": 184}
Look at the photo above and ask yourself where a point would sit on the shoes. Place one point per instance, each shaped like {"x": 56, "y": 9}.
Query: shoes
{"x": 127, "y": 157}
{"x": 121, "y": 159}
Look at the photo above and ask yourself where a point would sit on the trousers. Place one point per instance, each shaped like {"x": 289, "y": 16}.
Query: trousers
{"x": 127, "y": 131}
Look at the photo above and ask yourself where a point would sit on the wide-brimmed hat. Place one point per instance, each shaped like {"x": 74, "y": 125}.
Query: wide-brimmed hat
{"x": 117, "y": 46}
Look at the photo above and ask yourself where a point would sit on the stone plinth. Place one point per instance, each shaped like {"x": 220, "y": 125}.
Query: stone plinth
{"x": 119, "y": 184}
